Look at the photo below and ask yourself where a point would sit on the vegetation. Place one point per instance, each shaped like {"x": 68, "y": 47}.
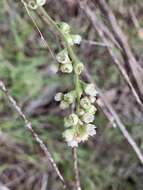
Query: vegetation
{"x": 30, "y": 71}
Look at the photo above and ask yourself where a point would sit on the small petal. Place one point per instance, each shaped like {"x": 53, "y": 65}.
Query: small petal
{"x": 88, "y": 118}
{"x": 91, "y": 129}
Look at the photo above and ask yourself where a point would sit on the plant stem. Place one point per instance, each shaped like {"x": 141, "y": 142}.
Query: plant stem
{"x": 75, "y": 60}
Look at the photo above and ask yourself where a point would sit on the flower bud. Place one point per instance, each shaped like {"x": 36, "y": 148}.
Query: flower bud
{"x": 64, "y": 105}
{"x": 69, "y": 97}
{"x": 63, "y": 57}
{"x": 85, "y": 103}
{"x": 66, "y": 68}
{"x": 76, "y": 39}
{"x": 88, "y": 118}
{"x": 71, "y": 120}
{"x": 65, "y": 28}
{"x": 79, "y": 67}
{"x": 58, "y": 96}
{"x": 90, "y": 90}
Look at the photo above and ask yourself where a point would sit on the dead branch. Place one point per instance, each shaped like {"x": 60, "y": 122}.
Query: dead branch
{"x": 100, "y": 28}
{"x": 134, "y": 70}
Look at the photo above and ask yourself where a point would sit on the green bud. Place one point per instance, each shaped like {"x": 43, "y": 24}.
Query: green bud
{"x": 69, "y": 97}
{"x": 66, "y": 68}
{"x": 63, "y": 57}
{"x": 76, "y": 39}
{"x": 65, "y": 28}
{"x": 79, "y": 67}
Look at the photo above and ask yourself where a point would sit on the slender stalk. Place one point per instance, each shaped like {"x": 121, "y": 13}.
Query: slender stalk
{"x": 76, "y": 169}
{"x": 29, "y": 127}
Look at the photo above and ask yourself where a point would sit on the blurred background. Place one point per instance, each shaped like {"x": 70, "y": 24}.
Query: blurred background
{"x": 107, "y": 161}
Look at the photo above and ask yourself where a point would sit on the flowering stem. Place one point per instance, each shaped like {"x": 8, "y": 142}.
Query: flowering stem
{"x": 72, "y": 55}
{"x": 75, "y": 60}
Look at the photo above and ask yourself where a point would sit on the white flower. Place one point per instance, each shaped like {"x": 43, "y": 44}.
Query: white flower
{"x": 70, "y": 137}
{"x": 63, "y": 57}
{"x": 88, "y": 118}
{"x": 76, "y": 39}
{"x": 85, "y": 103}
{"x": 79, "y": 67}
{"x": 66, "y": 68}
{"x": 58, "y": 96}
{"x": 71, "y": 120}
{"x": 90, "y": 90}
{"x": 68, "y": 134}
{"x": 91, "y": 129}
{"x": 40, "y": 2}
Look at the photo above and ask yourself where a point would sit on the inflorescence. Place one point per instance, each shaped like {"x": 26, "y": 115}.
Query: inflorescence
{"x": 79, "y": 123}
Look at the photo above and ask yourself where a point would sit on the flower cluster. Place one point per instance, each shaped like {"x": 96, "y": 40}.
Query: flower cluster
{"x": 79, "y": 124}
{"x": 63, "y": 58}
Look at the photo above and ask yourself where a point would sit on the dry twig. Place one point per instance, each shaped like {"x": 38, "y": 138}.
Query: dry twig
{"x": 30, "y": 129}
